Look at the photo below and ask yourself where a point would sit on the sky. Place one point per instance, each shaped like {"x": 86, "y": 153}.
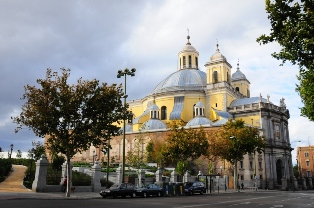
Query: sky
{"x": 97, "y": 38}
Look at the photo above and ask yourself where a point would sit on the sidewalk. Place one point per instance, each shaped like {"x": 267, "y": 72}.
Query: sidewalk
{"x": 12, "y": 188}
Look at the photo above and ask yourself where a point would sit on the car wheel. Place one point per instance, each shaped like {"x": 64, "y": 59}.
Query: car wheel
{"x": 159, "y": 194}
{"x": 144, "y": 194}
{"x": 133, "y": 195}
{"x": 201, "y": 192}
{"x": 104, "y": 197}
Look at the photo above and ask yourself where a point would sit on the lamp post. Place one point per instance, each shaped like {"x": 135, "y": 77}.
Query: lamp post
{"x": 30, "y": 171}
{"x": 120, "y": 74}
{"x": 11, "y": 146}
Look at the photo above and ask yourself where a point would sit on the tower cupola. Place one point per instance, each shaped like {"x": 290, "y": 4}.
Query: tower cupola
{"x": 188, "y": 56}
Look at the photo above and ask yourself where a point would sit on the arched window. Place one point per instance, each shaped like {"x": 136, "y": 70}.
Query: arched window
{"x": 194, "y": 110}
{"x": 190, "y": 61}
{"x": 237, "y": 89}
{"x": 184, "y": 62}
{"x": 215, "y": 76}
{"x": 196, "y": 62}
{"x": 163, "y": 113}
{"x": 180, "y": 63}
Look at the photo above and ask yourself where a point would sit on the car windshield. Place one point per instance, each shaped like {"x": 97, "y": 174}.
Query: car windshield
{"x": 115, "y": 186}
{"x": 188, "y": 184}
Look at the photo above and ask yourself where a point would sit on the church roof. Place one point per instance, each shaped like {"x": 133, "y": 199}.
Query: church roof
{"x": 246, "y": 101}
{"x": 185, "y": 79}
{"x": 199, "y": 120}
{"x": 223, "y": 114}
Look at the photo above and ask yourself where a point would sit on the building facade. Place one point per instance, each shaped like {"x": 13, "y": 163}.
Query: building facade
{"x": 305, "y": 158}
{"x": 209, "y": 99}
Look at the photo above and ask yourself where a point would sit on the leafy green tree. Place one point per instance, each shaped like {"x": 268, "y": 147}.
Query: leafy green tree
{"x": 137, "y": 156}
{"x": 73, "y": 116}
{"x": 37, "y": 150}
{"x": 292, "y": 26}
{"x": 233, "y": 141}
{"x": 154, "y": 152}
{"x": 18, "y": 154}
{"x": 1, "y": 149}
{"x": 184, "y": 144}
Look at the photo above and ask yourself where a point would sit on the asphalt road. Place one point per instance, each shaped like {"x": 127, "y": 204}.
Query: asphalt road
{"x": 271, "y": 199}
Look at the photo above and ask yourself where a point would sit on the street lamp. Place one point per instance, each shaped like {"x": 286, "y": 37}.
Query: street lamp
{"x": 11, "y": 150}
{"x": 120, "y": 74}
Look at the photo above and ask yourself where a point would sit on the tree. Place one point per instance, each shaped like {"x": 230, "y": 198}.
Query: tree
{"x": 306, "y": 92}
{"x": 233, "y": 141}
{"x": 18, "y": 154}
{"x": 292, "y": 26}
{"x": 1, "y": 149}
{"x": 73, "y": 116}
{"x": 137, "y": 156}
{"x": 183, "y": 144}
{"x": 37, "y": 150}
{"x": 154, "y": 152}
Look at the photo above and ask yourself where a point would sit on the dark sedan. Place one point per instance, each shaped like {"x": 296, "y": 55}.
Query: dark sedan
{"x": 122, "y": 189}
{"x": 149, "y": 190}
{"x": 196, "y": 187}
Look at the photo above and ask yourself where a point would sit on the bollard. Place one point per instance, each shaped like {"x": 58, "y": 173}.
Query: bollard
{"x": 181, "y": 190}
{"x": 167, "y": 190}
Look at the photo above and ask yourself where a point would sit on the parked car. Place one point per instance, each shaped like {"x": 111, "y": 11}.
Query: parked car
{"x": 122, "y": 189}
{"x": 149, "y": 190}
{"x": 196, "y": 187}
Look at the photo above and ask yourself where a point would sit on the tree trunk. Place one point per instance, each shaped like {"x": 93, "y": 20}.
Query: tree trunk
{"x": 235, "y": 176}
{"x": 69, "y": 179}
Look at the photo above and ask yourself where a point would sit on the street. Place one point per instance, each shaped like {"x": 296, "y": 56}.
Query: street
{"x": 262, "y": 199}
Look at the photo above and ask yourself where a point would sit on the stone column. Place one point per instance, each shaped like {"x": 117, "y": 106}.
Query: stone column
{"x": 304, "y": 184}
{"x": 283, "y": 184}
{"x": 141, "y": 177}
{"x": 158, "y": 175}
{"x": 119, "y": 174}
{"x": 40, "y": 184}
{"x": 295, "y": 183}
{"x": 96, "y": 169}
{"x": 187, "y": 177}
{"x": 310, "y": 183}
{"x": 174, "y": 176}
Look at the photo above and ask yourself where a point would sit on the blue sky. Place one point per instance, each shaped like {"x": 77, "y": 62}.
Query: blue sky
{"x": 97, "y": 38}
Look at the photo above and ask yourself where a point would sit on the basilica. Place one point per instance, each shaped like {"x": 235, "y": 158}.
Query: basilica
{"x": 209, "y": 99}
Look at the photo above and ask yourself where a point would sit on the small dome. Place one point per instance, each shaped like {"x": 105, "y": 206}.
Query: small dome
{"x": 188, "y": 48}
{"x": 153, "y": 124}
{"x": 199, "y": 120}
{"x": 199, "y": 104}
{"x": 238, "y": 75}
{"x": 217, "y": 56}
{"x": 128, "y": 128}
{"x": 154, "y": 107}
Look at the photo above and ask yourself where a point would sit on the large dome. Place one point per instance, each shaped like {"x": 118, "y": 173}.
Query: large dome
{"x": 185, "y": 79}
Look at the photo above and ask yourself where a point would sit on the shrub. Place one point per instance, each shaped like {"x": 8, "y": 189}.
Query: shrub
{"x": 81, "y": 179}
{"x": 103, "y": 182}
